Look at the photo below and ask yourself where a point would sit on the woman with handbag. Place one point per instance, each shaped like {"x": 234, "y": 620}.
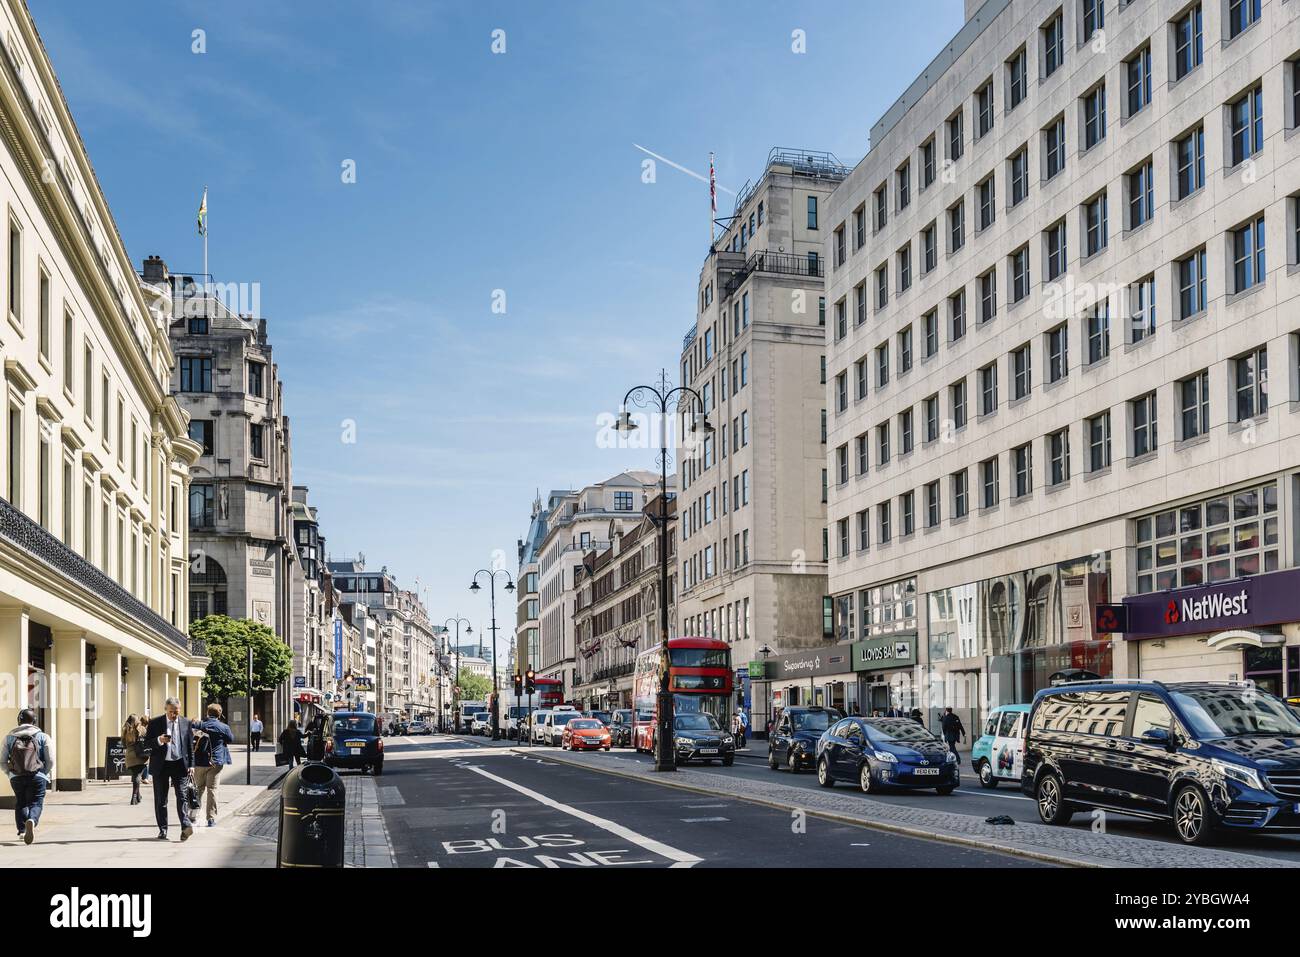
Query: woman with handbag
{"x": 137, "y": 755}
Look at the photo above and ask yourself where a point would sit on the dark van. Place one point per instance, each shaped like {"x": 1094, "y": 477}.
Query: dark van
{"x": 1199, "y": 755}
{"x": 355, "y": 742}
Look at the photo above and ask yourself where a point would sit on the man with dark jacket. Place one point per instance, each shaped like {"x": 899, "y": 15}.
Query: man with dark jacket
{"x": 211, "y": 755}
{"x": 26, "y": 759}
{"x": 171, "y": 738}
{"x": 953, "y": 729}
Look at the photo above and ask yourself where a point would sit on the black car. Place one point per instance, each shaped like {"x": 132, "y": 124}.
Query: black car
{"x": 699, "y": 737}
{"x": 620, "y": 728}
{"x": 1201, "y": 755}
{"x": 793, "y": 742}
{"x": 355, "y": 742}
{"x": 885, "y": 752}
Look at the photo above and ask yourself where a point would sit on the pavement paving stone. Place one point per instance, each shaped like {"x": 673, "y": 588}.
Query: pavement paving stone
{"x": 1062, "y": 844}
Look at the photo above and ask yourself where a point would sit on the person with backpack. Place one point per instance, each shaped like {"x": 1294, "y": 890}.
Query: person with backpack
{"x": 211, "y": 754}
{"x": 137, "y": 756}
{"x": 26, "y": 759}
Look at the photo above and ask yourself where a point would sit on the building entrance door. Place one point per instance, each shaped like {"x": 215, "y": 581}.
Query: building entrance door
{"x": 1263, "y": 666}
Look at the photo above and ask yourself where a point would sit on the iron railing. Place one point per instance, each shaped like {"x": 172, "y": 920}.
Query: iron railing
{"x": 784, "y": 264}
{"x": 22, "y": 532}
{"x": 614, "y": 671}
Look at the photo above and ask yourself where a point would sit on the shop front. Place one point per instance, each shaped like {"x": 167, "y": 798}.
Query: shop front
{"x": 885, "y": 669}
{"x": 1241, "y": 630}
{"x": 817, "y": 677}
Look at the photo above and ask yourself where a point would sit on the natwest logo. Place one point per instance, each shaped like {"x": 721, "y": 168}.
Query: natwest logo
{"x": 1171, "y": 613}
{"x": 1218, "y": 605}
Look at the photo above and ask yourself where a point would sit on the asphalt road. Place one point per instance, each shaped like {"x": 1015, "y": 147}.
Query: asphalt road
{"x": 1006, "y": 799}
{"x": 455, "y": 801}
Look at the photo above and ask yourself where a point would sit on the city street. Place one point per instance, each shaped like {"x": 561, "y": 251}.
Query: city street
{"x": 456, "y": 801}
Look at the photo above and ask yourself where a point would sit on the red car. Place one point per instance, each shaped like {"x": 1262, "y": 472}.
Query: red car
{"x": 583, "y": 734}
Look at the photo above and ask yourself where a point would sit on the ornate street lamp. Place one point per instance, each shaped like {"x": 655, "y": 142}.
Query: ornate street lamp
{"x": 496, "y": 683}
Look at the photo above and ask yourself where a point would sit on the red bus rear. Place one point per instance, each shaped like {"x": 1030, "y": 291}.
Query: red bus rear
{"x": 550, "y": 692}
{"x": 699, "y": 676}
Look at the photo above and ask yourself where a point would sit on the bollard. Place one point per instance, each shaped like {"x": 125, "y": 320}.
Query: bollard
{"x": 312, "y": 804}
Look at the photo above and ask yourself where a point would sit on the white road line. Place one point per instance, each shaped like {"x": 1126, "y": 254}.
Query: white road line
{"x": 695, "y": 807}
{"x": 702, "y": 820}
{"x": 679, "y": 858}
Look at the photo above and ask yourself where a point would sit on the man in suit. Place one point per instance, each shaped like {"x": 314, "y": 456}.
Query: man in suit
{"x": 171, "y": 739}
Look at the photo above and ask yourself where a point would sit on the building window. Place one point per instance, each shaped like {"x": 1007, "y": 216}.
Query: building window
{"x": 1248, "y": 255}
{"x": 1191, "y": 284}
{"x": 860, "y": 306}
{"x": 1020, "y": 274}
{"x": 623, "y": 501}
{"x": 905, "y": 437}
{"x": 812, "y": 212}
{"x": 1053, "y": 44}
{"x": 882, "y": 365}
{"x": 1099, "y": 332}
{"x": 957, "y": 396}
{"x": 927, "y": 162}
{"x": 904, "y": 178}
{"x": 1095, "y": 219}
{"x": 882, "y": 443}
{"x": 1137, "y": 70}
{"x": 931, "y": 411}
{"x": 256, "y": 373}
{"x": 859, "y": 227}
{"x": 1213, "y": 540}
{"x": 1058, "y": 453}
{"x": 1194, "y": 399}
{"x": 1023, "y": 458}
{"x": 1094, "y": 117}
{"x": 907, "y": 509}
{"x": 988, "y": 204}
{"x": 196, "y": 374}
{"x": 933, "y": 512}
{"x": 928, "y": 247}
{"x": 841, "y": 321}
{"x": 931, "y": 323}
{"x": 43, "y": 314}
{"x": 957, "y": 315}
{"x": 957, "y": 226}
{"x": 1019, "y": 164}
{"x": 984, "y": 109}
{"x": 884, "y": 518}
{"x": 201, "y": 432}
{"x": 905, "y": 350}
{"x": 1142, "y": 320}
{"x": 905, "y": 268}
{"x": 256, "y": 444}
{"x": 988, "y": 295}
{"x": 989, "y": 483}
{"x": 1099, "y": 442}
{"x": 842, "y": 527}
{"x": 955, "y": 137}
{"x": 882, "y": 206}
{"x": 841, "y": 392}
{"x": 842, "y": 464}
{"x": 1016, "y": 82}
{"x": 861, "y": 448}
{"x": 860, "y": 373}
{"x": 1241, "y": 14}
{"x": 1056, "y": 250}
{"x": 1144, "y": 424}
{"x": 1250, "y": 384}
{"x": 1190, "y": 159}
{"x": 1020, "y": 370}
{"x": 1246, "y": 119}
{"x": 1058, "y": 353}
{"x": 1187, "y": 42}
{"x": 841, "y": 247}
{"x": 1094, "y": 18}
{"x": 864, "y": 530}
{"x": 882, "y": 287}
{"x": 201, "y": 506}
{"x": 1054, "y": 147}
{"x": 16, "y": 272}
{"x": 989, "y": 389}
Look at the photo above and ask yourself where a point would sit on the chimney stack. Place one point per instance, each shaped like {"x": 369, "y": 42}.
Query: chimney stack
{"x": 155, "y": 270}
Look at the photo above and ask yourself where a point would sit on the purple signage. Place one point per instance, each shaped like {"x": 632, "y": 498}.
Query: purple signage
{"x": 1242, "y": 603}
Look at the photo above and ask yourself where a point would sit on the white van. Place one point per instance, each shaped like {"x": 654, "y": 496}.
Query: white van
{"x": 556, "y": 719}
{"x": 539, "y": 725}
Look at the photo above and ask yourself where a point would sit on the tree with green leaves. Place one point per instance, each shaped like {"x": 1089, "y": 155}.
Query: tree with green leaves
{"x": 472, "y": 687}
{"x": 228, "y": 641}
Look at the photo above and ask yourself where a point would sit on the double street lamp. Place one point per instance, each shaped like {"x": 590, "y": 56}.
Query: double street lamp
{"x": 455, "y": 678}
{"x": 492, "y": 591}
{"x": 648, "y": 397}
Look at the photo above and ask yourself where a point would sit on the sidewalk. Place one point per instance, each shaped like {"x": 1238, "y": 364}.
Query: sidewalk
{"x": 99, "y": 828}
{"x": 1060, "y": 845}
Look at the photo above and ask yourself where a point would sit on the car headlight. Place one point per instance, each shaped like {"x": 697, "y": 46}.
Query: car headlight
{"x": 801, "y": 745}
{"x": 885, "y": 756}
{"x": 683, "y": 742}
{"x": 951, "y": 759}
{"x": 1239, "y": 773}
{"x": 727, "y": 739}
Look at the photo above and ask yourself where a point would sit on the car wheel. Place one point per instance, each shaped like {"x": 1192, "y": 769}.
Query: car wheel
{"x": 1193, "y": 818}
{"x": 824, "y": 773}
{"x": 1052, "y": 808}
{"x": 864, "y": 778}
{"x": 771, "y": 759}
{"x": 791, "y": 764}
{"x": 986, "y": 775}
{"x": 607, "y": 747}
{"x": 946, "y": 789}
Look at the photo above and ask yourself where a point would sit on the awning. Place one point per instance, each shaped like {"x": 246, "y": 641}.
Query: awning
{"x": 1239, "y": 638}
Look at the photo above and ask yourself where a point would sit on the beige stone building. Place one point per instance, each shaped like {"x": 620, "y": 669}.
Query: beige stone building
{"x": 1073, "y": 374}
{"x": 752, "y": 511}
{"x": 93, "y": 540}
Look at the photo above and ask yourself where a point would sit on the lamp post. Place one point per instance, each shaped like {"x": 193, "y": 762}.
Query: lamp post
{"x": 455, "y": 678}
{"x": 646, "y": 397}
{"x": 496, "y": 684}
{"x": 767, "y": 689}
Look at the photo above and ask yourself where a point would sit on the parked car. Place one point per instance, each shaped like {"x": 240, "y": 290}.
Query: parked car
{"x": 620, "y": 728}
{"x": 481, "y": 723}
{"x": 419, "y": 727}
{"x": 553, "y": 730}
{"x": 793, "y": 742}
{"x": 997, "y": 754}
{"x": 1200, "y": 755}
{"x": 539, "y": 726}
{"x": 585, "y": 734}
{"x": 355, "y": 741}
{"x": 699, "y": 737}
{"x": 885, "y": 752}
{"x": 604, "y": 717}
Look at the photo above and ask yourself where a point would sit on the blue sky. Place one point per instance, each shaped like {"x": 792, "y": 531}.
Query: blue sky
{"x": 475, "y": 172}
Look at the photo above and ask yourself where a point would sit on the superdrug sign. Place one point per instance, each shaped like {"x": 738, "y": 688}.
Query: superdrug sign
{"x": 1259, "y": 600}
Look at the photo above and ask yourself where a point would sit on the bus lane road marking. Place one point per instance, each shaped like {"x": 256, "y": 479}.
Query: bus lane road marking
{"x": 679, "y": 858}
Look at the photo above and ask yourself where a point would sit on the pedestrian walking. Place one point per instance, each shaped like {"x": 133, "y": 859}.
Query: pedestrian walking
{"x": 144, "y": 723}
{"x": 211, "y": 754}
{"x": 170, "y": 738}
{"x": 952, "y": 729}
{"x": 26, "y": 759}
{"x": 137, "y": 755}
{"x": 744, "y": 726}
{"x": 291, "y": 743}
{"x": 255, "y": 732}
{"x": 916, "y": 716}
{"x": 316, "y": 739}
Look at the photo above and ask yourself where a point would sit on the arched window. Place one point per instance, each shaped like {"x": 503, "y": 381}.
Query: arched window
{"x": 207, "y": 588}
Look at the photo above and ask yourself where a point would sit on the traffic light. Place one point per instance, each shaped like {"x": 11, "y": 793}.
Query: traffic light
{"x": 529, "y": 687}
{"x": 519, "y": 684}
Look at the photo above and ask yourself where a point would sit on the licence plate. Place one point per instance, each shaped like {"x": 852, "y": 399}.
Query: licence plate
{"x": 708, "y": 750}
{"x": 354, "y": 744}
{"x": 926, "y": 771}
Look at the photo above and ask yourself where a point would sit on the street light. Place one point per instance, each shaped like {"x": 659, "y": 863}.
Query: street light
{"x": 765, "y": 651}
{"x": 646, "y": 396}
{"x": 455, "y": 679}
{"x": 492, "y": 591}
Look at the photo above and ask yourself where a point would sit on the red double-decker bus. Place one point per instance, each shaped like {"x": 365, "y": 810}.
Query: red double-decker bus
{"x": 699, "y": 676}
{"x": 550, "y": 692}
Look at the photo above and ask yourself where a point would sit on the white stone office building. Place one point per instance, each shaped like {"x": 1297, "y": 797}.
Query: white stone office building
{"x": 1074, "y": 379}
{"x": 95, "y": 455}
{"x": 753, "y": 504}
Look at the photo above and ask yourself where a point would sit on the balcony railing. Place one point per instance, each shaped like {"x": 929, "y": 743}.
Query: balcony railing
{"x": 784, "y": 264}
{"x": 20, "y": 531}
{"x": 614, "y": 671}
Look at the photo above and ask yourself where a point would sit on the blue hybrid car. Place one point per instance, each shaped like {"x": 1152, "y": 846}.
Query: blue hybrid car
{"x": 880, "y": 753}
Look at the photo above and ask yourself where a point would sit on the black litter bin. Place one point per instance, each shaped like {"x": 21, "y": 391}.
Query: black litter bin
{"x": 312, "y": 803}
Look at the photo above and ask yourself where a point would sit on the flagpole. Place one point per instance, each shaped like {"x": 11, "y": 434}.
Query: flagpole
{"x": 713, "y": 203}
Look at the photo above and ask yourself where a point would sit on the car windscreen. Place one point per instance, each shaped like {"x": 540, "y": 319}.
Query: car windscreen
{"x": 355, "y": 724}
{"x": 696, "y": 722}
{"x": 1234, "y": 712}
{"x": 812, "y": 720}
{"x": 585, "y": 724}
{"x": 902, "y": 730}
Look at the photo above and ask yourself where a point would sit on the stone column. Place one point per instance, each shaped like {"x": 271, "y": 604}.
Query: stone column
{"x": 158, "y": 689}
{"x": 137, "y": 687}
{"x": 108, "y": 716}
{"x": 13, "y": 679}
{"x": 67, "y": 684}
{"x": 191, "y": 700}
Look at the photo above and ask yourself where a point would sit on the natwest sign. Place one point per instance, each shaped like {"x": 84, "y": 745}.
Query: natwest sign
{"x": 1259, "y": 600}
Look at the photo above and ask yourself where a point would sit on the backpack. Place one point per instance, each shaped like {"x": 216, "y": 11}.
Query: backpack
{"x": 203, "y": 750}
{"x": 25, "y": 755}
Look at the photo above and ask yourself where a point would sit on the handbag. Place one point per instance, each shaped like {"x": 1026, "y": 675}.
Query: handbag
{"x": 191, "y": 793}
{"x": 281, "y": 759}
